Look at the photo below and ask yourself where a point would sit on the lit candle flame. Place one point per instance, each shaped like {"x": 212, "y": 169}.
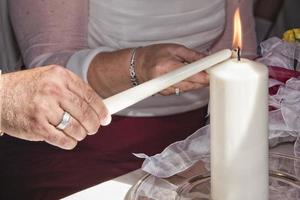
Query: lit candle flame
{"x": 237, "y": 30}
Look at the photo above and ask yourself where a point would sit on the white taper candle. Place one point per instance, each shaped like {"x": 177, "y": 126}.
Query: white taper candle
{"x": 133, "y": 95}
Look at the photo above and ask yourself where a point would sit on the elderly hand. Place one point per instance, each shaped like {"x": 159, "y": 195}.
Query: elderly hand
{"x": 34, "y": 101}
{"x": 155, "y": 60}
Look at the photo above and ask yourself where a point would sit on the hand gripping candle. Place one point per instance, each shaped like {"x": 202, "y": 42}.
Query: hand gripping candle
{"x": 133, "y": 95}
{"x": 239, "y": 130}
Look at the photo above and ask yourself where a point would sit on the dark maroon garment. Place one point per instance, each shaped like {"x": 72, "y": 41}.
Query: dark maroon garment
{"x": 36, "y": 170}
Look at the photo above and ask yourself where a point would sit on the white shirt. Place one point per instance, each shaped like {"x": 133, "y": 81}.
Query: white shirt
{"x": 118, "y": 24}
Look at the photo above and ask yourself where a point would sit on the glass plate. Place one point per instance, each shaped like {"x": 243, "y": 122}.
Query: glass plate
{"x": 194, "y": 184}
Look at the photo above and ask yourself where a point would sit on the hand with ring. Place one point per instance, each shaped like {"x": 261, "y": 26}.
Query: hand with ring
{"x": 50, "y": 104}
{"x": 108, "y": 70}
{"x": 155, "y": 60}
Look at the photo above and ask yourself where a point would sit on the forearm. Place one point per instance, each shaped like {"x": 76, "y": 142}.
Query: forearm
{"x": 6, "y": 115}
{"x": 109, "y": 74}
{"x": 49, "y": 32}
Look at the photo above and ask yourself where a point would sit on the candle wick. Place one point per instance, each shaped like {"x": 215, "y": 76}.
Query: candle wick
{"x": 239, "y": 54}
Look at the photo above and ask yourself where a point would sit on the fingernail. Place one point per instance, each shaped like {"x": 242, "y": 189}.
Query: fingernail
{"x": 92, "y": 133}
{"x": 106, "y": 120}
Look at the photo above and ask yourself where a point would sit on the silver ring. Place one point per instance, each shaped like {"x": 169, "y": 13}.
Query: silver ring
{"x": 177, "y": 91}
{"x": 64, "y": 122}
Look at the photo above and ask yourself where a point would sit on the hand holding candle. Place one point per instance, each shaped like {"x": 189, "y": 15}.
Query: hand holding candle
{"x": 131, "y": 96}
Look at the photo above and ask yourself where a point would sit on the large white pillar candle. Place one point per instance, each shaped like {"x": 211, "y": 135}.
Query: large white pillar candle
{"x": 133, "y": 95}
{"x": 239, "y": 130}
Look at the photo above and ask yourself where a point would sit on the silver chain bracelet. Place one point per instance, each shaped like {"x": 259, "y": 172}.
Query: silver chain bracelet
{"x": 132, "y": 73}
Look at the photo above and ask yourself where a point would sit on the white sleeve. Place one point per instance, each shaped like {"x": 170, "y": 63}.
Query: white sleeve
{"x": 80, "y": 61}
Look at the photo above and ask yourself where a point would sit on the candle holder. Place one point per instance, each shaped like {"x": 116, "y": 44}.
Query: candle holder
{"x": 194, "y": 184}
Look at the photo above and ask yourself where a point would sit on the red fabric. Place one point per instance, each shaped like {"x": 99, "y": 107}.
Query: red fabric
{"x": 282, "y": 75}
{"x": 33, "y": 170}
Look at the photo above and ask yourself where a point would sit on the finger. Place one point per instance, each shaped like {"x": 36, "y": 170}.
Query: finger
{"x": 184, "y": 86}
{"x": 197, "y": 86}
{"x": 80, "y": 110}
{"x": 202, "y": 78}
{"x": 168, "y": 91}
{"x": 58, "y": 138}
{"x": 188, "y": 55}
{"x": 74, "y": 129}
{"x": 84, "y": 91}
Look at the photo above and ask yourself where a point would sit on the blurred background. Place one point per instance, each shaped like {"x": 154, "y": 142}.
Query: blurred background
{"x": 274, "y": 17}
